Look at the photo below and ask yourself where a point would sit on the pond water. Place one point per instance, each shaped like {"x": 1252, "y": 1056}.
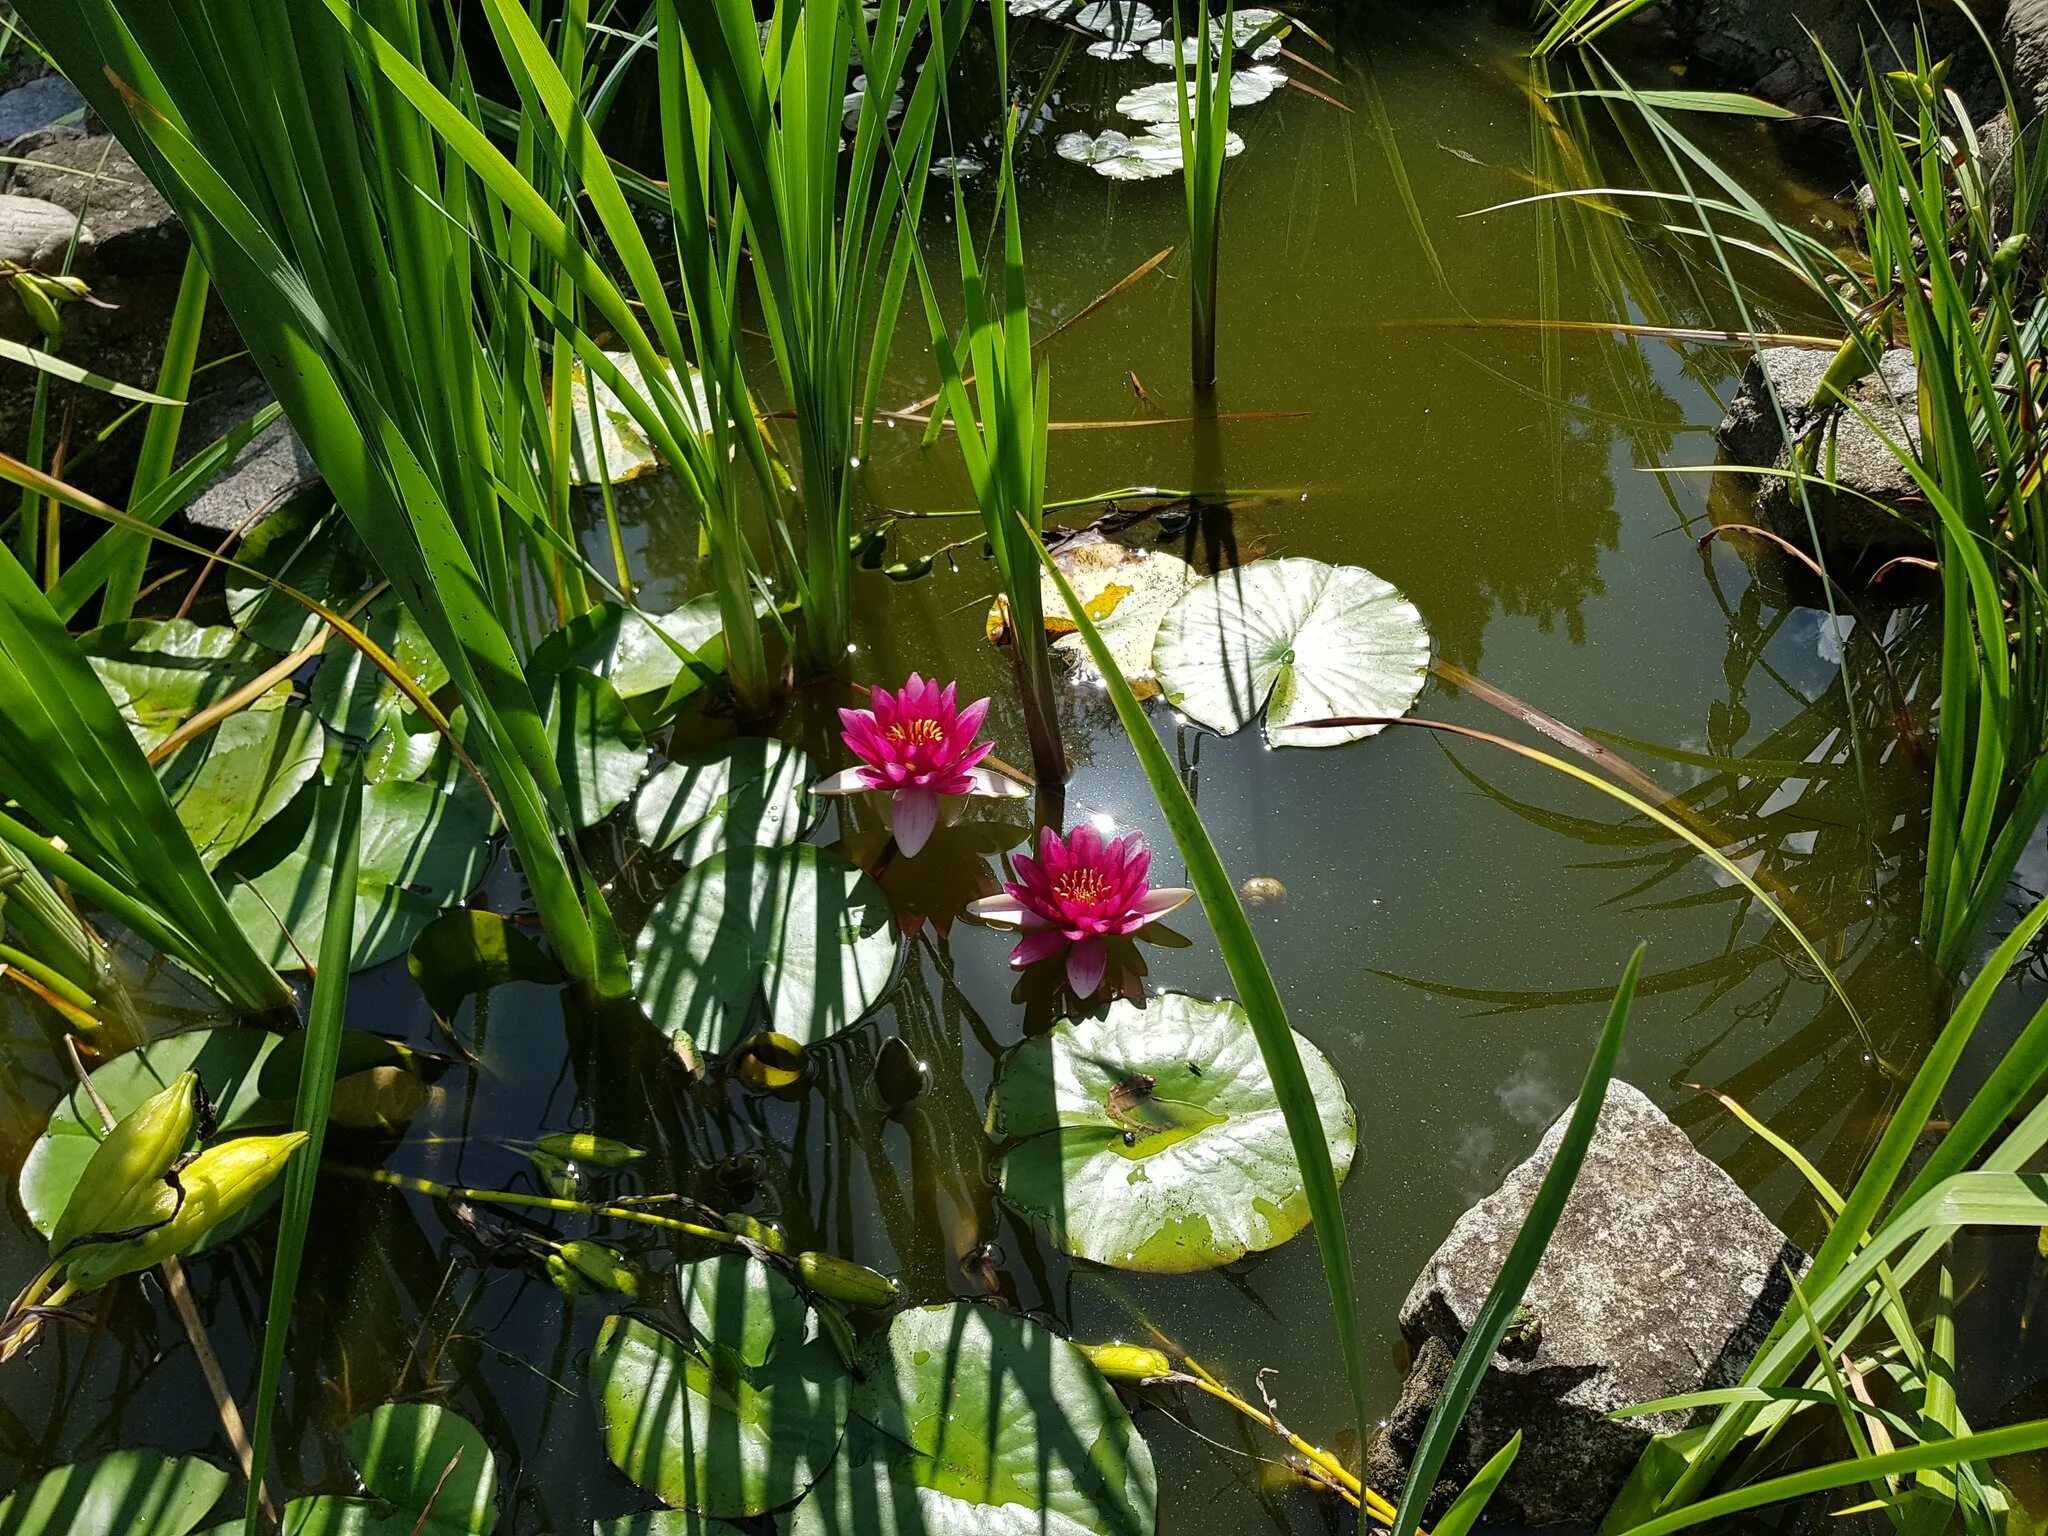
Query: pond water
{"x": 1453, "y": 919}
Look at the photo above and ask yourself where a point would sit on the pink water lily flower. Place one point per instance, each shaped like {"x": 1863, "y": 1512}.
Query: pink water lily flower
{"x": 1076, "y": 893}
{"x": 917, "y": 744}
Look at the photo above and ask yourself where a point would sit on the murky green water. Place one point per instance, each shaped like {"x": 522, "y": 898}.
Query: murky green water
{"x": 1453, "y": 920}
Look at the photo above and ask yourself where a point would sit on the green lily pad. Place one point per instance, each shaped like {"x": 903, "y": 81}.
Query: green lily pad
{"x": 1155, "y": 103}
{"x": 308, "y": 544}
{"x": 740, "y": 1419}
{"x": 644, "y": 663}
{"x": 754, "y": 792}
{"x": 428, "y": 1473}
{"x": 1304, "y": 640}
{"x": 464, "y": 952}
{"x": 228, "y": 1061}
{"x": 1152, "y": 1138}
{"x": 664, "y": 1522}
{"x": 162, "y": 674}
{"x": 227, "y": 783}
{"x": 599, "y": 749}
{"x": 127, "y": 1493}
{"x": 351, "y": 694}
{"x": 794, "y": 940}
{"x": 421, "y": 851}
{"x": 968, "y": 1421}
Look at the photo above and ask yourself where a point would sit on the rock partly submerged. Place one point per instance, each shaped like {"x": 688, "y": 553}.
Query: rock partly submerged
{"x": 1662, "y": 1278}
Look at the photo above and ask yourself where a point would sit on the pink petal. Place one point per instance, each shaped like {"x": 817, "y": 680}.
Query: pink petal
{"x": 969, "y": 723}
{"x": 911, "y": 817}
{"x": 1086, "y": 963}
{"x": 987, "y": 781}
{"x": 848, "y": 781}
{"x": 1040, "y": 944}
{"x": 1167, "y": 898}
{"x": 998, "y": 909}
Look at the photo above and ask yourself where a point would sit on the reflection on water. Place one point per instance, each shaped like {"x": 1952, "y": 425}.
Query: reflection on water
{"x": 1455, "y": 919}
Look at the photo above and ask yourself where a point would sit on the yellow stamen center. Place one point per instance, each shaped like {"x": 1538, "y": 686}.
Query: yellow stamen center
{"x": 1084, "y": 886}
{"x": 921, "y": 732}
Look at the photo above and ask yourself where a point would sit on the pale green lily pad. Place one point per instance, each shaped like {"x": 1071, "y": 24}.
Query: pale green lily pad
{"x": 644, "y": 663}
{"x": 1303, "y": 640}
{"x": 352, "y": 695}
{"x": 422, "y": 850}
{"x": 1125, "y": 157}
{"x": 228, "y": 782}
{"x": 794, "y": 940}
{"x": 740, "y": 1418}
{"x": 427, "y": 1470}
{"x": 1125, "y": 20}
{"x": 600, "y": 751}
{"x": 229, "y": 1063}
{"x": 1255, "y": 30}
{"x": 1155, "y": 103}
{"x": 127, "y": 1493}
{"x": 608, "y": 440}
{"x": 754, "y": 792}
{"x": 309, "y": 545}
{"x": 162, "y": 674}
{"x": 1125, "y": 591}
{"x": 1152, "y": 1138}
{"x": 968, "y": 1421}
{"x": 664, "y": 1522}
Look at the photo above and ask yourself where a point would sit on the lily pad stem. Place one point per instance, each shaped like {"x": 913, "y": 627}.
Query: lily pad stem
{"x": 538, "y": 1202}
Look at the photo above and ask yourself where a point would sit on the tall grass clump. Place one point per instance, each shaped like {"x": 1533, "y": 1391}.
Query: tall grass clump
{"x": 1203, "y": 111}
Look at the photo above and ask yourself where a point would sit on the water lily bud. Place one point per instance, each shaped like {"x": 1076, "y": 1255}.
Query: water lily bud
{"x": 582, "y": 1147}
{"x": 769, "y": 1062}
{"x": 554, "y": 1172}
{"x": 564, "y": 1277}
{"x": 909, "y": 570}
{"x": 767, "y": 1235}
{"x": 136, "y": 1153}
{"x": 219, "y": 1184}
{"x": 603, "y": 1268}
{"x": 2006, "y": 259}
{"x": 843, "y": 1280}
{"x": 1132, "y": 1363}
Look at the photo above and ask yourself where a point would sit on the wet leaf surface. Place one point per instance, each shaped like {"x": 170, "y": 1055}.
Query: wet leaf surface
{"x": 127, "y": 1493}
{"x": 754, "y": 792}
{"x": 600, "y": 751}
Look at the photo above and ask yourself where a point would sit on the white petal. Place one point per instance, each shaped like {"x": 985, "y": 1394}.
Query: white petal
{"x": 999, "y": 785}
{"x": 997, "y": 909}
{"x": 1165, "y": 899}
{"x": 847, "y": 781}
{"x": 912, "y": 817}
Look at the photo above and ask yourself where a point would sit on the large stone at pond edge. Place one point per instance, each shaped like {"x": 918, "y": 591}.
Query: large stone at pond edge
{"x": 1662, "y": 1277}
{"x": 1851, "y": 454}
{"x": 138, "y": 233}
{"x": 36, "y": 234}
{"x": 37, "y": 104}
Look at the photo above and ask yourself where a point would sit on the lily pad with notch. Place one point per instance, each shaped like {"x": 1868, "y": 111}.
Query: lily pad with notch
{"x": 794, "y": 940}
{"x": 464, "y": 952}
{"x": 1302, "y": 640}
{"x": 1156, "y": 104}
{"x": 1153, "y": 1139}
{"x": 740, "y": 1417}
{"x": 124, "y": 1493}
{"x": 753, "y": 792}
{"x": 162, "y": 673}
{"x": 425, "y": 1470}
{"x": 967, "y": 1421}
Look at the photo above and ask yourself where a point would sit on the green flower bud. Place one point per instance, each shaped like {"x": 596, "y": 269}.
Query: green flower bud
{"x": 564, "y": 1277}
{"x": 582, "y": 1147}
{"x": 219, "y": 1184}
{"x": 740, "y": 1224}
{"x": 843, "y": 1280}
{"x": 603, "y": 1268}
{"x": 1130, "y": 1363}
{"x": 136, "y": 1153}
{"x": 909, "y": 570}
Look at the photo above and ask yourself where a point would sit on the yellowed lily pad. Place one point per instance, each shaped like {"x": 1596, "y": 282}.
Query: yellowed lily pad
{"x": 1125, "y": 592}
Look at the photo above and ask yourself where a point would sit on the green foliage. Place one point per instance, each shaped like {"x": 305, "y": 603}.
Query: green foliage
{"x": 127, "y": 1493}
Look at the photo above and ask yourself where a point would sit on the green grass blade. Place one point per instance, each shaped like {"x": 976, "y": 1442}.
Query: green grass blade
{"x": 1475, "y": 1357}
{"x": 1469, "y": 1505}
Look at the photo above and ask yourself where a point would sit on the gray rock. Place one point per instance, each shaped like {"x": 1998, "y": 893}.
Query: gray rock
{"x": 273, "y": 468}
{"x": 1662, "y": 1278}
{"x": 92, "y": 174}
{"x": 37, "y": 104}
{"x": 1860, "y": 476}
{"x": 2024, "y": 40}
{"x": 36, "y": 234}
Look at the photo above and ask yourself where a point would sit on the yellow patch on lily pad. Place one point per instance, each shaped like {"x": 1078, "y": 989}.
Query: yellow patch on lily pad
{"x": 1125, "y": 591}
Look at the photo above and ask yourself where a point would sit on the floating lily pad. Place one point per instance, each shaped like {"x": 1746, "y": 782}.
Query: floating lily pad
{"x": 421, "y": 851}
{"x": 428, "y": 1473}
{"x": 1152, "y": 1138}
{"x": 229, "y": 1063}
{"x": 664, "y": 1522}
{"x": 464, "y": 952}
{"x": 600, "y": 751}
{"x": 308, "y": 544}
{"x": 1300, "y": 639}
{"x": 646, "y": 664}
{"x": 794, "y": 940}
{"x": 754, "y": 792}
{"x": 1155, "y": 103}
{"x": 1255, "y": 31}
{"x": 127, "y": 1493}
{"x": 352, "y": 695}
{"x": 972, "y": 1422}
{"x": 612, "y": 431}
{"x": 1124, "y": 20}
{"x": 230, "y": 781}
{"x": 1122, "y": 157}
{"x": 738, "y": 1419}
{"x": 1125, "y": 591}
{"x": 162, "y": 674}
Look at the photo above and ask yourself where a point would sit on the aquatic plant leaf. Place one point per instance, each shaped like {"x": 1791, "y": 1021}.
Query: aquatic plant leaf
{"x": 309, "y": 544}
{"x": 1256, "y": 31}
{"x": 228, "y": 1061}
{"x": 1303, "y": 640}
{"x": 162, "y": 673}
{"x": 739, "y": 1418}
{"x": 972, "y": 1422}
{"x": 664, "y": 1522}
{"x": 754, "y": 792}
{"x": 426, "y": 1459}
{"x": 600, "y": 751}
{"x": 227, "y": 783}
{"x": 352, "y": 696}
{"x": 1152, "y": 1138}
{"x": 464, "y": 952}
{"x": 1155, "y": 103}
{"x": 611, "y": 429}
{"x": 644, "y": 664}
{"x": 1124, "y": 20}
{"x": 126, "y": 1493}
{"x": 422, "y": 851}
{"x": 795, "y": 940}
{"x": 1123, "y": 157}
{"x": 1127, "y": 592}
